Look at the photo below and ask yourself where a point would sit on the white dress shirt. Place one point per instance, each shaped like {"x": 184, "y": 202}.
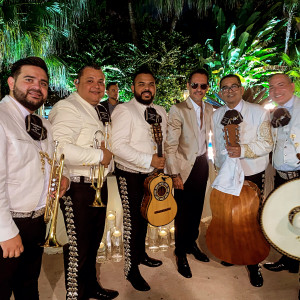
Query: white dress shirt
{"x": 201, "y": 131}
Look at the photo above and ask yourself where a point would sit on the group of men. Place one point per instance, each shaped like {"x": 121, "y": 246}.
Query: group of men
{"x": 27, "y": 146}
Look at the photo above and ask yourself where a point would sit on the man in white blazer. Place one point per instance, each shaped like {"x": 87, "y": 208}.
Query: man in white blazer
{"x": 75, "y": 122}
{"x": 254, "y": 146}
{"x": 24, "y": 176}
{"x": 286, "y": 150}
{"x": 186, "y": 159}
{"x": 135, "y": 150}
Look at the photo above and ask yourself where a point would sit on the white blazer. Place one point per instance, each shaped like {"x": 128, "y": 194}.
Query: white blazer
{"x": 21, "y": 176}
{"x": 293, "y": 128}
{"x": 74, "y": 123}
{"x": 132, "y": 141}
{"x": 255, "y": 138}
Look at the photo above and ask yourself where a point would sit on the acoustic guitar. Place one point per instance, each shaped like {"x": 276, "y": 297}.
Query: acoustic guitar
{"x": 158, "y": 206}
{"x": 234, "y": 234}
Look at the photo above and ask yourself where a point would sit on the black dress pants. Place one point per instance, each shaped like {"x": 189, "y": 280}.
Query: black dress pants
{"x": 131, "y": 189}
{"x": 20, "y": 275}
{"x": 85, "y": 226}
{"x": 190, "y": 204}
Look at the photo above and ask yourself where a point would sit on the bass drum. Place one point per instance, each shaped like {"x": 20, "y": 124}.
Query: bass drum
{"x": 280, "y": 219}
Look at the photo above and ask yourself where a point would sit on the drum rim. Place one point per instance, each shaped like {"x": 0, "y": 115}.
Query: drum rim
{"x": 263, "y": 229}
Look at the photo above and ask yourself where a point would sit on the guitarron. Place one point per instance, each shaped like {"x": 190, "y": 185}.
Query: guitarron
{"x": 234, "y": 234}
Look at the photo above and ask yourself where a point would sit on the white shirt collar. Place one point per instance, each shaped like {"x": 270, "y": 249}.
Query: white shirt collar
{"x": 289, "y": 104}
{"x": 196, "y": 106}
{"x": 23, "y": 110}
{"x": 239, "y": 107}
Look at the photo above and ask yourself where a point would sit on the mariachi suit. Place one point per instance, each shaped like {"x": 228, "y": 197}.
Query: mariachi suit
{"x": 21, "y": 187}
{"x": 133, "y": 147}
{"x": 182, "y": 146}
{"x": 289, "y": 157}
{"x": 75, "y": 122}
{"x": 255, "y": 138}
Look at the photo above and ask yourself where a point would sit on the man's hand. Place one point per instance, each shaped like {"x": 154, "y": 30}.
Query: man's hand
{"x": 234, "y": 152}
{"x": 64, "y": 184}
{"x": 177, "y": 182}
{"x": 158, "y": 162}
{"x": 13, "y": 247}
{"x": 107, "y": 155}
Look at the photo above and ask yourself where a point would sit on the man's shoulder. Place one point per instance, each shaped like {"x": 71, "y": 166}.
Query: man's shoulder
{"x": 255, "y": 108}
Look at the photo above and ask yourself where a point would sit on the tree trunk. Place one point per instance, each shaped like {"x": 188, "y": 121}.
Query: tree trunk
{"x": 174, "y": 23}
{"x": 132, "y": 23}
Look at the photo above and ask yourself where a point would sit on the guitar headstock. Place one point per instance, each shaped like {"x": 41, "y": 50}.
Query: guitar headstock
{"x": 231, "y": 120}
{"x": 154, "y": 119}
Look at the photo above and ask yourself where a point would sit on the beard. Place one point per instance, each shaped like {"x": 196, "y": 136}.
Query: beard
{"x": 23, "y": 99}
{"x": 139, "y": 98}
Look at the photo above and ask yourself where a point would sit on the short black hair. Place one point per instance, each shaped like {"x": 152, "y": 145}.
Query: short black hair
{"x": 110, "y": 84}
{"x": 28, "y": 61}
{"x": 229, "y": 76}
{"x": 142, "y": 70}
{"x": 198, "y": 71}
{"x": 93, "y": 66}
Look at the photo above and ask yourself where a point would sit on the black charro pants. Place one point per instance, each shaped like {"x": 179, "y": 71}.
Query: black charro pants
{"x": 85, "y": 226}
{"x": 190, "y": 205}
{"x": 131, "y": 189}
{"x": 20, "y": 275}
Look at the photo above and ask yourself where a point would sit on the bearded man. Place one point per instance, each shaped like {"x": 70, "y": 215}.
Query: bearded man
{"x": 135, "y": 158}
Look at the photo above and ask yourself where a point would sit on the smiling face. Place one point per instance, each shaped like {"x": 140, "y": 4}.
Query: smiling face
{"x": 198, "y": 93}
{"x": 231, "y": 91}
{"x": 144, "y": 88}
{"x": 91, "y": 85}
{"x": 281, "y": 88}
{"x": 30, "y": 87}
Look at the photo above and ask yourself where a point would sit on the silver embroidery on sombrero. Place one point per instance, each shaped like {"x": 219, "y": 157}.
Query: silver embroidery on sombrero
{"x": 126, "y": 225}
{"x": 72, "y": 271}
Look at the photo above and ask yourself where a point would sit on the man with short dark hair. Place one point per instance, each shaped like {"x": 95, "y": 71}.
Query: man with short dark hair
{"x": 76, "y": 125}
{"x": 286, "y": 151}
{"x": 255, "y": 142}
{"x": 106, "y": 107}
{"x": 135, "y": 157}
{"x": 26, "y": 143}
{"x": 186, "y": 157}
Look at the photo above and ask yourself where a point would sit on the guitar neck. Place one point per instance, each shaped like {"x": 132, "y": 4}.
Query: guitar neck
{"x": 159, "y": 150}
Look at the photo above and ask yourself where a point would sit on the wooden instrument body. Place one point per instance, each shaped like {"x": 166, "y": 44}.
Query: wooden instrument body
{"x": 234, "y": 234}
{"x": 159, "y": 206}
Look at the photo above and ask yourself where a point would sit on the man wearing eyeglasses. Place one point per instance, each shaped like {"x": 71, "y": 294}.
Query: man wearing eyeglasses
{"x": 186, "y": 158}
{"x": 254, "y": 146}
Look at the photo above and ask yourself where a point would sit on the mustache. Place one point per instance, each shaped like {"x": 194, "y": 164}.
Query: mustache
{"x": 35, "y": 90}
{"x": 146, "y": 92}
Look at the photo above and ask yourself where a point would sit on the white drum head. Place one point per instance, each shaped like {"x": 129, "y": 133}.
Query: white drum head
{"x": 276, "y": 227}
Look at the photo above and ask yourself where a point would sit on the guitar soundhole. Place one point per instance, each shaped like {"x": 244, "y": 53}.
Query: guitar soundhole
{"x": 161, "y": 191}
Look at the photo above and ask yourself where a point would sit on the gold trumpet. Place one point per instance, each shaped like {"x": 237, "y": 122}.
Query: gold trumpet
{"x": 52, "y": 201}
{"x": 100, "y": 179}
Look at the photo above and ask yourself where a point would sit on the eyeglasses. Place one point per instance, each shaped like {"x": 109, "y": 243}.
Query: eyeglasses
{"x": 234, "y": 88}
{"x": 203, "y": 86}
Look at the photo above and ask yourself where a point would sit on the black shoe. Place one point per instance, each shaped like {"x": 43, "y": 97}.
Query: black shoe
{"x": 226, "y": 264}
{"x": 284, "y": 263}
{"x": 255, "y": 276}
{"x": 183, "y": 266}
{"x": 103, "y": 294}
{"x": 198, "y": 254}
{"x": 151, "y": 262}
{"x": 137, "y": 281}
